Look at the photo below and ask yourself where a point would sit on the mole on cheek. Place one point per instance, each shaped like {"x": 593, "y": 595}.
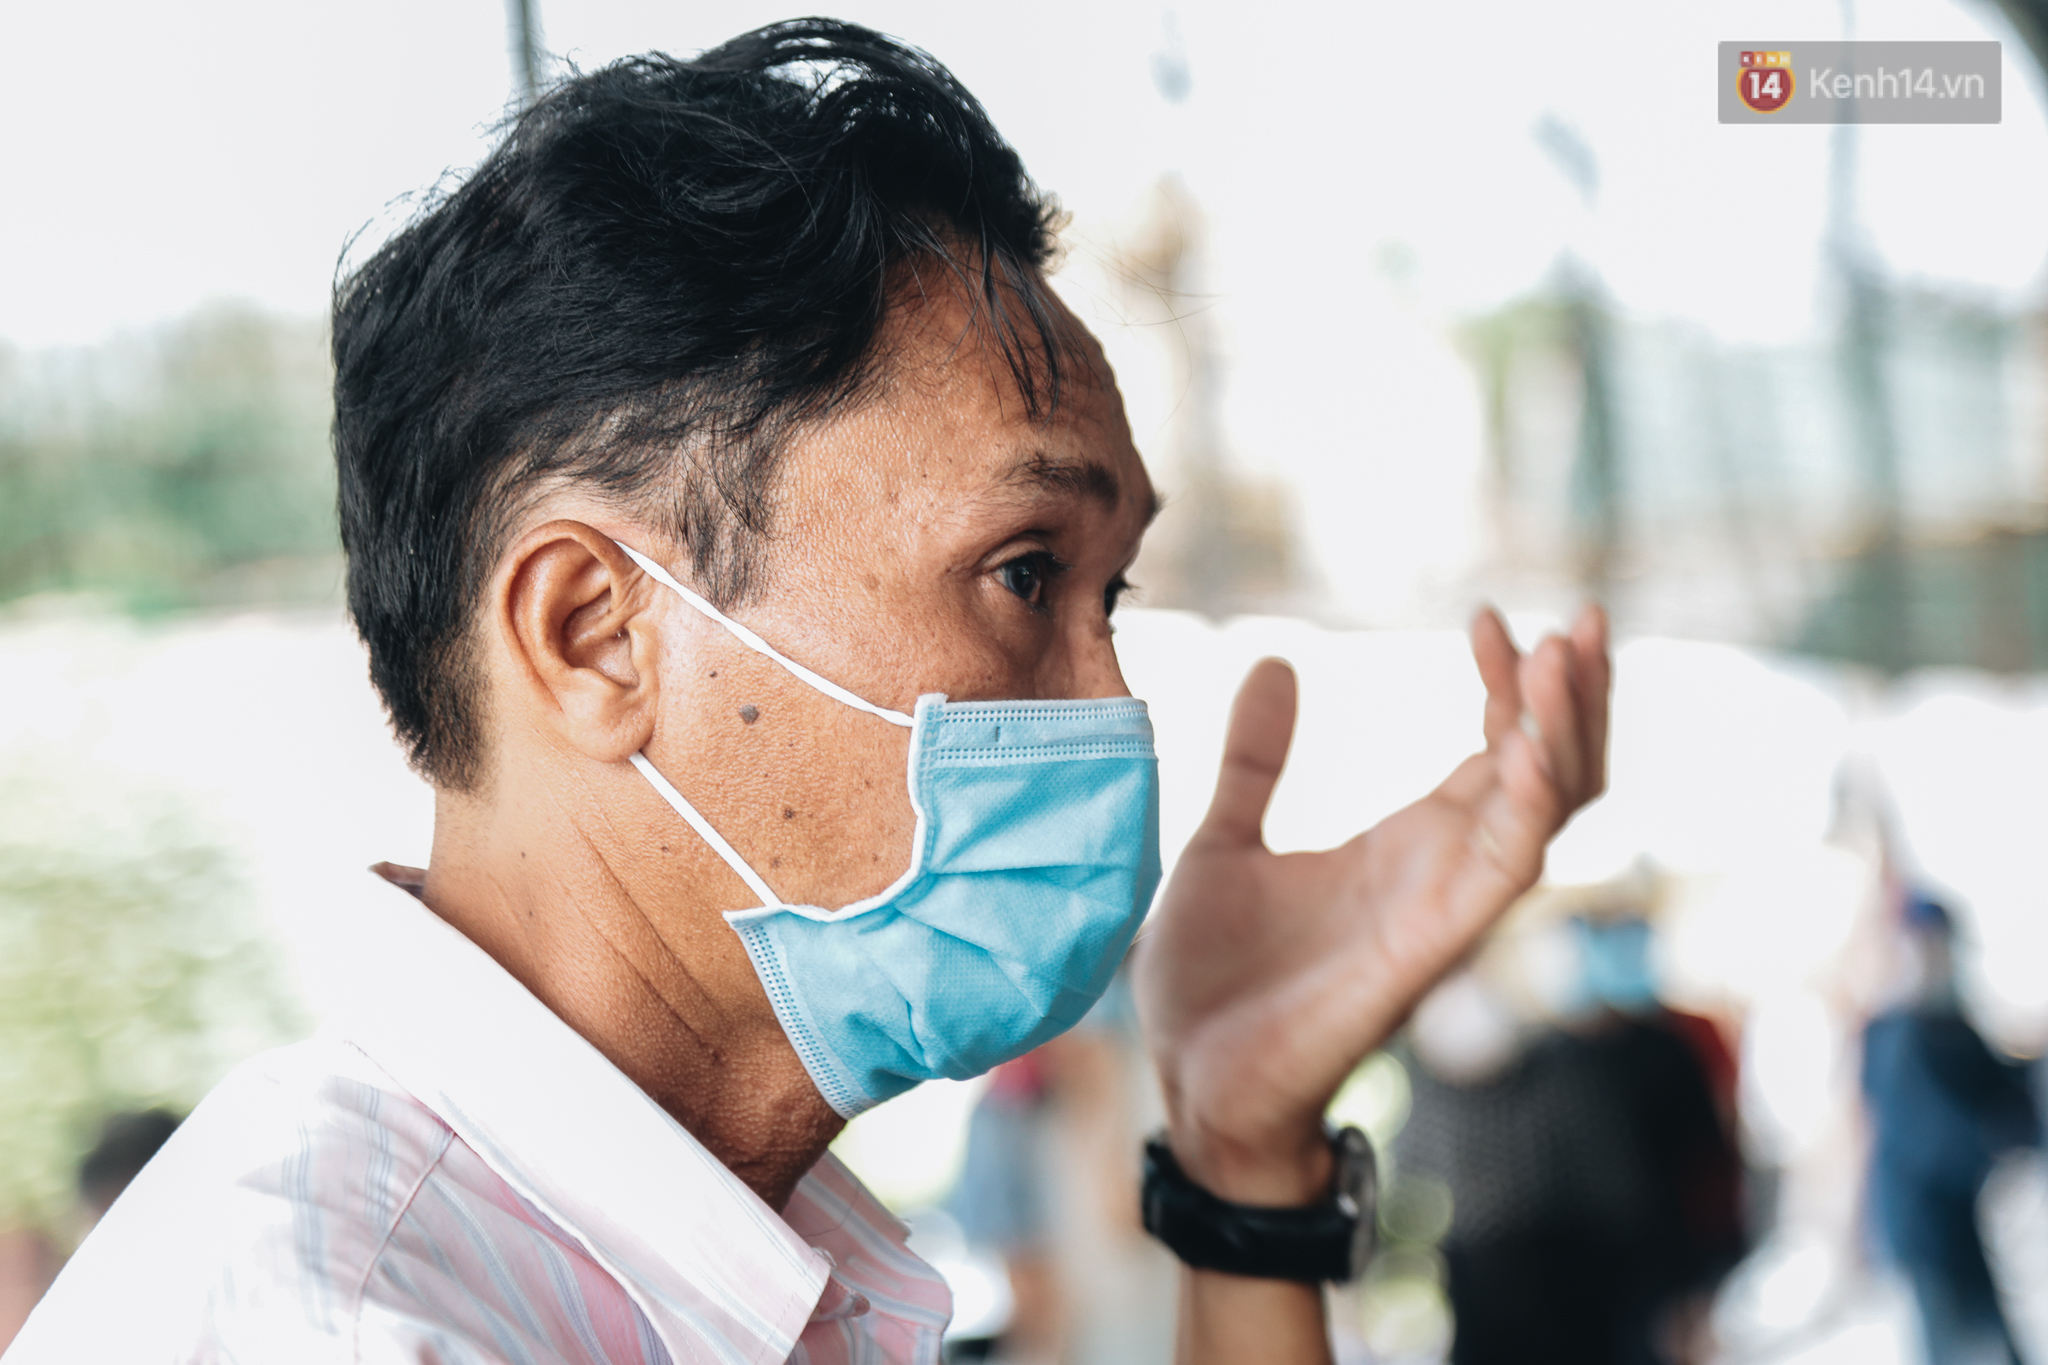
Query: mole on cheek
{"x": 750, "y": 713}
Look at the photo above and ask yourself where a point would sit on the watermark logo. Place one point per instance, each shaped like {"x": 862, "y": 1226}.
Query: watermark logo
{"x": 1766, "y": 81}
{"x": 1840, "y": 82}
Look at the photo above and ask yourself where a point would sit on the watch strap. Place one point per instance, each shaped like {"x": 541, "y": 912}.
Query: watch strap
{"x": 1311, "y": 1244}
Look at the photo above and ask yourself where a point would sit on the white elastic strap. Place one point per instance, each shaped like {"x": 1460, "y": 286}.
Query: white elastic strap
{"x": 704, "y": 831}
{"x": 761, "y": 646}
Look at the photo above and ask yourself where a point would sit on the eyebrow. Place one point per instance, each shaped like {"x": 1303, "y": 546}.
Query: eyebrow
{"x": 1074, "y": 478}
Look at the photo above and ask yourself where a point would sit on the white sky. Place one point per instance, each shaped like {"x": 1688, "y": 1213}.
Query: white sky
{"x": 161, "y": 155}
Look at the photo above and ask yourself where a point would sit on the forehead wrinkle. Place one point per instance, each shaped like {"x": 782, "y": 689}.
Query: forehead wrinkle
{"x": 1072, "y": 478}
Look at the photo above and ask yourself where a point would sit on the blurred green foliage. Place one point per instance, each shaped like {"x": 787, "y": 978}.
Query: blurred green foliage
{"x": 185, "y": 467}
{"x": 132, "y": 970}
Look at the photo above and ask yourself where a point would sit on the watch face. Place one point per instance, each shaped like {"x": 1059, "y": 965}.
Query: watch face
{"x": 1358, "y": 1186}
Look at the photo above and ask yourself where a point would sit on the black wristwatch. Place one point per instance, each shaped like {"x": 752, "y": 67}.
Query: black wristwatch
{"x": 1328, "y": 1241}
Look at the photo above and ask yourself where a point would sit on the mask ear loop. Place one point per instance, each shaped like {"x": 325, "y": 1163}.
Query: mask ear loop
{"x": 762, "y": 647}
{"x": 705, "y": 832}
{"x": 661, "y": 784}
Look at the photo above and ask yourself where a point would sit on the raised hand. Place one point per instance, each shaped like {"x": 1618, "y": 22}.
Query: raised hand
{"x": 1264, "y": 978}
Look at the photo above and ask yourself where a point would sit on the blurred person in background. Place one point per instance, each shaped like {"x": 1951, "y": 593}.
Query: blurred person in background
{"x": 29, "y": 1260}
{"x": 1942, "y": 1107}
{"x": 1678, "y": 1076}
{"x": 1051, "y": 1135}
{"x": 1594, "y": 1177}
{"x": 126, "y": 1144}
{"x": 766, "y": 334}
{"x": 1002, "y": 1202}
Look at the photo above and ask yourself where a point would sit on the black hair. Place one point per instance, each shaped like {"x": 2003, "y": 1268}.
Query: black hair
{"x": 663, "y": 268}
{"x": 127, "y": 1141}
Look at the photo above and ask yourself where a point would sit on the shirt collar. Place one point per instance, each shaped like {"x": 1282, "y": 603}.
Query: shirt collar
{"x": 700, "y": 1252}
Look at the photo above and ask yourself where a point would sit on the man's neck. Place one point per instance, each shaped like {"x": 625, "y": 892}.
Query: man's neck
{"x": 648, "y": 974}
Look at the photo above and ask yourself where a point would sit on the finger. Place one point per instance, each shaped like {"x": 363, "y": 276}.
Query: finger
{"x": 1595, "y": 670}
{"x": 1498, "y": 659}
{"x": 1255, "y": 748}
{"x": 1550, "y": 699}
{"x": 1517, "y": 814}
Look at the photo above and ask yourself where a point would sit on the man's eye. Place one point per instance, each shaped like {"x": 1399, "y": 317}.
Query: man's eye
{"x": 1027, "y": 576}
{"x": 1024, "y": 577}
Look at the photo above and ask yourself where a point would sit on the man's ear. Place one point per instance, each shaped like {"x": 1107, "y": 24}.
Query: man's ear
{"x": 575, "y": 615}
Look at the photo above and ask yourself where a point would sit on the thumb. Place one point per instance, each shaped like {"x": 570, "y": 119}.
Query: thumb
{"x": 1261, "y": 724}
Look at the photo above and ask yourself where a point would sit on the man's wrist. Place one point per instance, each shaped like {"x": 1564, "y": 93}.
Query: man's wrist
{"x": 1282, "y": 1169}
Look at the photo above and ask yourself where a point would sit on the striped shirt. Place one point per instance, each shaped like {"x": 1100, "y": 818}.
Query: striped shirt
{"x": 453, "y": 1175}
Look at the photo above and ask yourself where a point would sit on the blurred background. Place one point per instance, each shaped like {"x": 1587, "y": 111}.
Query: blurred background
{"x": 1414, "y": 307}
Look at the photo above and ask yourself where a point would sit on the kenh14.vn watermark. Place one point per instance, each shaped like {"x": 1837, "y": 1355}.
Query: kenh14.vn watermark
{"x": 1859, "y": 82}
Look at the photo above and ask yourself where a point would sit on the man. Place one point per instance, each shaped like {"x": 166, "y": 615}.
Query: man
{"x": 711, "y": 460}
{"x": 1943, "y": 1109}
{"x": 1594, "y": 1186}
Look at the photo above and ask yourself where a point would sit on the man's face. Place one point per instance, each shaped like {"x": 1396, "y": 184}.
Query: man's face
{"x": 980, "y": 550}
{"x": 933, "y": 539}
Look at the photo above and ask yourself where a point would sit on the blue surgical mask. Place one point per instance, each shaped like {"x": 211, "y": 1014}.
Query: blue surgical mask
{"x": 1616, "y": 961}
{"x": 1035, "y": 858}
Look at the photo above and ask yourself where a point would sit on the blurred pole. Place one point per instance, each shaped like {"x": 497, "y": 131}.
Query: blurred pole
{"x": 1207, "y": 574}
{"x": 1596, "y": 481}
{"x": 2016, "y": 627}
{"x": 1729, "y": 396}
{"x": 1208, "y": 568}
{"x": 1596, "y": 475}
{"x": 1881, "y": 628}
{"x": 522, "y": 19}
{"x": 1228, "y": 545}
{"x": 1496, "y": 343}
